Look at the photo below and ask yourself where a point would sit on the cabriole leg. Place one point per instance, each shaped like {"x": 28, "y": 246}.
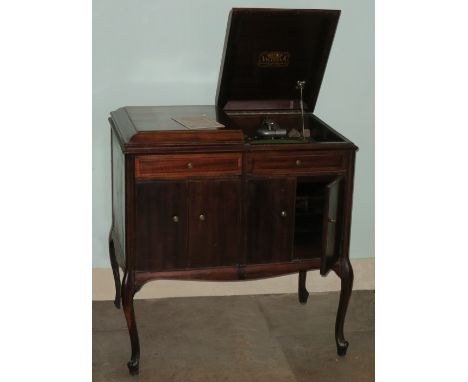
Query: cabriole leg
{"x": 347, "y": 276}
{"x": 115, "y": 271}
{"x": 128, "y": 292}
{"x": 303, "y": 294}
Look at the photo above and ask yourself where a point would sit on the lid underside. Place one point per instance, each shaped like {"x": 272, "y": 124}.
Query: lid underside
{"x": 267, "y": 51}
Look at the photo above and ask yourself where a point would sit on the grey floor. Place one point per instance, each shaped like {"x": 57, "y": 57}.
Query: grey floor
{"x": 236, "y": 339}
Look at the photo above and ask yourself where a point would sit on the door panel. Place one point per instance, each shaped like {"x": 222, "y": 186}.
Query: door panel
{"x": 214, "y": 223}
{"x": 331, "y": 223}
{"x": 270, "y": 219}
{"x": 161, "y": 225}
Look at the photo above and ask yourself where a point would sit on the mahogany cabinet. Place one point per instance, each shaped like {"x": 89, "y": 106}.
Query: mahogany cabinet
{"x": 222, "y": 204}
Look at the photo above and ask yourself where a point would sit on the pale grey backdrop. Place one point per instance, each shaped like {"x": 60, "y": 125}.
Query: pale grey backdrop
{"x": 151, "y": 52}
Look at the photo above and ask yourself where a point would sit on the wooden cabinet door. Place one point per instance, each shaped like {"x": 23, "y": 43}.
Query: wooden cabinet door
{"x": 270, "y": 219}
{"x": 331, "y": 224}
{"x": 161, "y": 225}
{"x": 214, "y": 222}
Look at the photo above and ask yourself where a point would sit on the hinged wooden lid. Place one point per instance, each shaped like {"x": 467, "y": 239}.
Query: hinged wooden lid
{"x": 267, "y": 51}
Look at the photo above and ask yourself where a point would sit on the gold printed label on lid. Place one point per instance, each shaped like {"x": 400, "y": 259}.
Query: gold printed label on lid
{"x": 273, "y": 59}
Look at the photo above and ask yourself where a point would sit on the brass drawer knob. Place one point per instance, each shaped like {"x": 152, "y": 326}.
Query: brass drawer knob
{"x": 189, "y": 165}
{"x": 298, "y": 163}
{"x": 283, "y": 214}
{"x": 175, "y": 219}
{"x": 202, "y": 217}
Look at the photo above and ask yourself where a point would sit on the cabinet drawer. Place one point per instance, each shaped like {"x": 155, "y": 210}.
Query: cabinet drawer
{"x": 186, "y": 165}
{"x": 293, "y": 163}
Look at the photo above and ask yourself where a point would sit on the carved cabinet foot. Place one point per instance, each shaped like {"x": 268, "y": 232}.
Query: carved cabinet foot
{"x": 128, "y": 292}
{"x": 134, "y": 367}
{"x": 115, "y": 271}
{"x": 347, "y": 276}
{"x": 342, "y": 348}
{"x": 303, "y": 293}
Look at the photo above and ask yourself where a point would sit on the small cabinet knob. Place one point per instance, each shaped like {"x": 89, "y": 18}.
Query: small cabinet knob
{"x": 189, "y": 165}
{"x": 175, "y": 219}
{"x": 298, "y": 163}
{"x": 330, "y": 220}
{"x": 283, "y": 214}
{"x": 202, "y": 217}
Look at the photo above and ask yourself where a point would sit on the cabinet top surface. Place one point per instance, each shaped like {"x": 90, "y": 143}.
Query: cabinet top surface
{"x": 147, "y": 128}
{"x": 160, "y": 118}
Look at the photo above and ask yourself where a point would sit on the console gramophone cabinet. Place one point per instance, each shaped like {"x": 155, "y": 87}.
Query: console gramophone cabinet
{"x": 268, "y": 194}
